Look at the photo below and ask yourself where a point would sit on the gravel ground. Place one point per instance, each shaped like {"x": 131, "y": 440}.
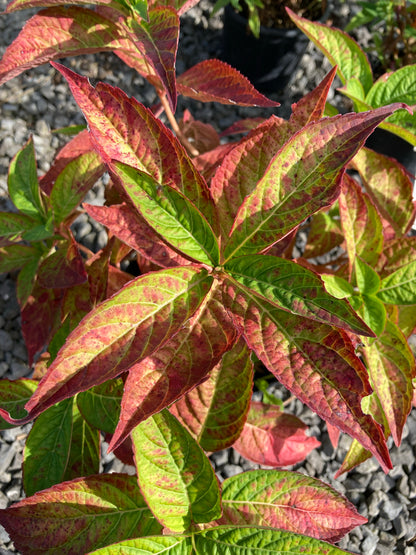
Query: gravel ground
{"x": 38, "y": 101}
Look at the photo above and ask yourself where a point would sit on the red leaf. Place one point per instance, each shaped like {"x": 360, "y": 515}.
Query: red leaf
{"x": 124, "y": 130}
{"x": 128, "y": 226}
{"x": 272, "y": 438}
{"x": 314, "y": 361}
{"x": 215, "y": 411}
{"x": 120, "y": 332}
{"x": 242, "y": 126}
{"x": 208, "y": 162}
{"x": 181, "y": 6}
{"x": 202, "y": 135}
{"x": 24, "y": 4}
{"x": 56, "y": 33}
{"x": 216, "y": 81}
{"x": 177, "y": 367}
{"x": 63, "y": 268}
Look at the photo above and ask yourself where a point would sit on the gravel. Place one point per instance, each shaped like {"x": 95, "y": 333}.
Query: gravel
{"x": 38, "y": 101}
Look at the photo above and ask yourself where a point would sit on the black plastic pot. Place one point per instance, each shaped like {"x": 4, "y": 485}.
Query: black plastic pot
{"x": 270, "y": 61}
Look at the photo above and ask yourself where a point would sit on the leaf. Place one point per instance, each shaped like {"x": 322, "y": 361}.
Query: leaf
{"x": 100, "y": 405}
{"x": 361, "y": 223}
{"x": 84, "y": 454}
{"x": 368, "y": 281}
{"x": 124, "y": 130}
{"x": 314, "y": 361}
{"x": 340, "y": 49}
{"x": 131, "y": 228}
{"x": 374, "y": 313}
{"x": 179, "y": 365}
{"x": 13, "y": 225}
{"x": 312, "y": 106}
{"x": 77, "y": 516}
{"x": 170, "y": 213}
{"x": 157, "y": 40}
{"x": 23, "y": 181}
{"x": 14, "y": 257}
{"x": 396, "y": 254}
{"x": 227, "y": 539}
{"x": 288, "y": 500}
{"x": 216, "y": 81}
{"x": 181, "y": 6}
{"x": 337, "y": 286}
{"x": 174, "y": 474}
{"x": 215, "y": 411}
{"x": 73, "y": 183}
{"x": 378, "y": 172}
{"x": 13, "y": 396}
{"x": 46, "y": 452}
{"x": 400, "y": 286}
{"x": 120, "y": 332}
{"x": 63, "y": 268}
{"x": 391, "y": 367}
{"x": 272, "y": 438}
{"x": 324, "y": 234}
{"x": 55, "y": 33}
{"x": 16, "y": 5}
{"x": 301, "y": 178}
{"x": 294, "y": 288}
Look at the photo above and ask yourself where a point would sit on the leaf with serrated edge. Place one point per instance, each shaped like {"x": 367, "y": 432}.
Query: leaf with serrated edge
{"x": 100, "y": 405}
{"x": 122, "y": 129}
{"x": 77, "y": 516}
{"x": 174, "y": 474}
{"x": 292, "y": 287}
{"x": 216, "y": 81}
{"x": 55, "y": 33}
{"x": 168, "y": 545}
{"x": 301, "y": 178}
{"x": 13, "y": 396}
{"x": 47, "y": 448}
{"x": 178, "y": 366}
{"x": 396, "y": 254}
{"x": 120, "y": 332}
{"x": 361, "y": 223}
{"x": 215, "y": 411}
{"x": 157, "y": 40}
{"x": 315, "y": 362}
{"x": 391, "y": 367}
{"x": 378, "y": 172}
{"x": 170, "y": 213}
{"x": 400, "y": 286}
{"x": 339, "y": 48}
{"x": 272, "y": 438}
{"x": 131, "y": 228}
{"x": 288, "y": 500}
{"x": 15, "y": 5}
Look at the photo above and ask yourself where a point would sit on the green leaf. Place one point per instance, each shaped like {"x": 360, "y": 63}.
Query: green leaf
{"x": 368, "y": 281}
{"x": 14, "y": 257}
{"x": 23, "y": 182}
{"x": 340, "y": 49}
{"x": 41, "y": 231}
{"x": 294, "y": 288}
{"x": 168, "y": 545}
{"x": 13, "y": 396}
{"x": 337, "y": 286}
{"x": 374, "y": 313}
{"x": 400, "y": 286}
{"x": 12, "y": 225}
{"x": 174, "y": 474}
{"x": 170, "y": 213}
{"x": 46, "y": 452}
{"x": 26, "y": 279}
{"x": 100, "y": 405}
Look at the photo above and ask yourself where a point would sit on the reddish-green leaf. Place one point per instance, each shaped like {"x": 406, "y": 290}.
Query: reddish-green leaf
{"x": 100, "y": 405}
{"x": 177, "y": 366}
{"x": 361, "y": 223}
{"x": 302, "y": 178}
{"x": 215, "y": 411}
{"x": 314, "y": 361}
{"x": 78, "y": 516}
{"x": 324, "y": 234}
{"x": 339, "y": 48}
{"x": 131, "y": 228}
{"x": 391, "y": 367}
{"x": 157, "y": 40}
{"x": 13, "y": 397}
{"x": 55, "y": 33}
{"x": 216, "y": 81}
{"x": 396, "y": 254}
{"x": 62, "y": 268}
{"x": 122, "y": 129}
{"x": 15, "y": 5}
{"x": 120, "y": 332}
{"x": 13, "y": 225}
{"x": 47, "y": 448}
{"x": 170, "y": 213}
{"x": 288, "y": 500}
{"x": 181, "y": 6}
{"x": 273, "y": 438}
{"x": 14, "y": 257}
{"x": 399, "y": 287}
{"x": 174, "y": 474}
{"x": 294, "y": 288}
{"x": 394, "y": 203}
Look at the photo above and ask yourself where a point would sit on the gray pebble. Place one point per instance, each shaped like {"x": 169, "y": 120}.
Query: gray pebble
{"x": 19, "y": 370}
{"x": 6, "y": 342}
{"x": 369, "y": 544}
{"x": 14, "y": 492}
